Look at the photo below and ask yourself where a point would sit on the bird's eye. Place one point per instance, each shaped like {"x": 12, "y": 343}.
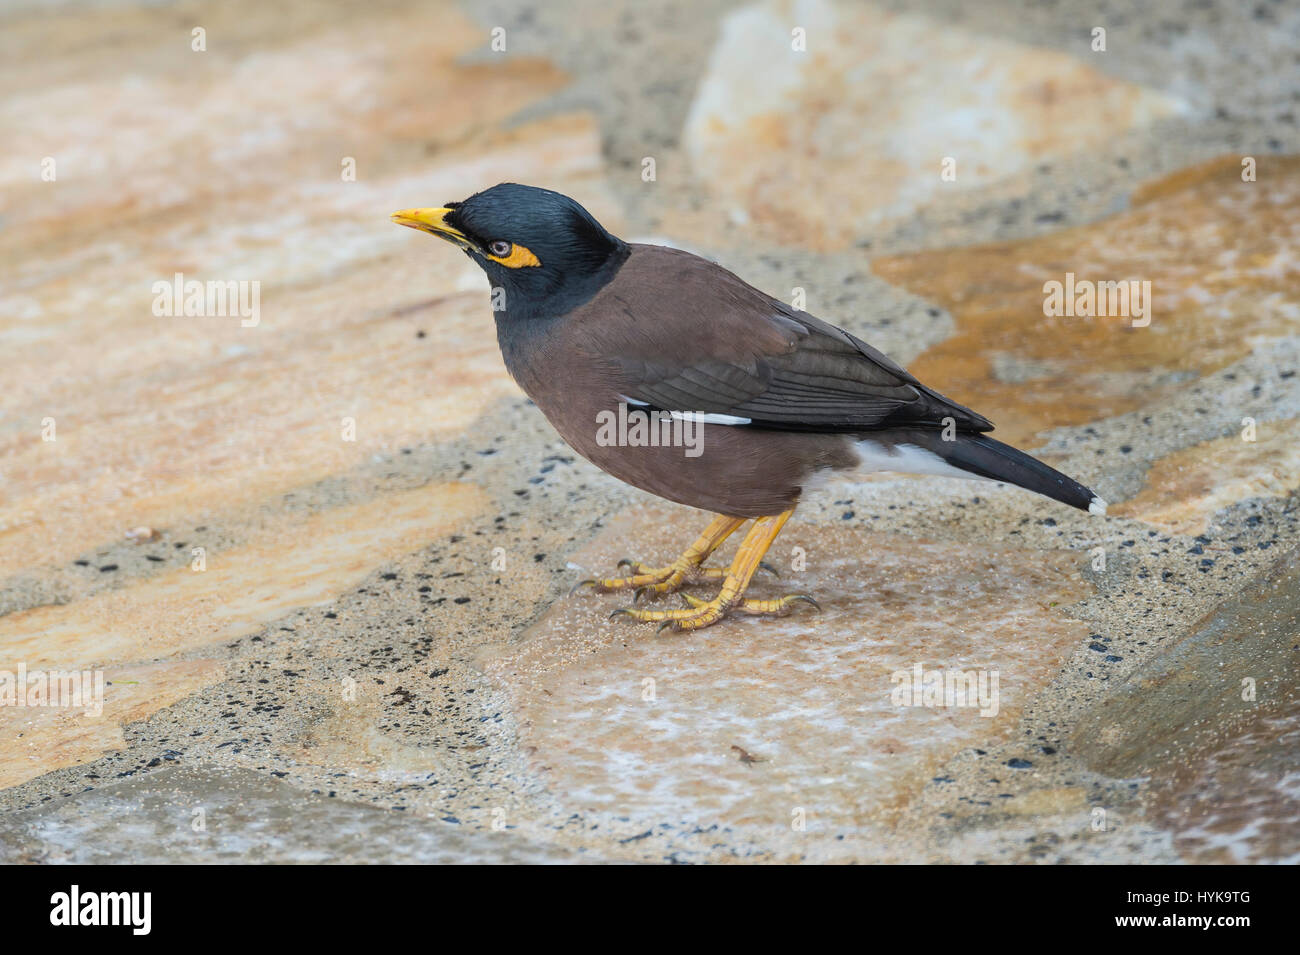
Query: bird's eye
{"x": 499, "y": 248}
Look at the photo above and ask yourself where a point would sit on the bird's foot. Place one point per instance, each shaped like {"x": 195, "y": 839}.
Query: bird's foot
{"x": 646, "y": 581}
{"x": 686, "y": 569}
{"x": 701, "y": 613}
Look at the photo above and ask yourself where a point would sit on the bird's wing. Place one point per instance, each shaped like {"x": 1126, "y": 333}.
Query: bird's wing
{"x": 686, "y": 335}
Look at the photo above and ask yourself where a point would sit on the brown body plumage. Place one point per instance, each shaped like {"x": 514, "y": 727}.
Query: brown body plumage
{"x": 626, "y": 342}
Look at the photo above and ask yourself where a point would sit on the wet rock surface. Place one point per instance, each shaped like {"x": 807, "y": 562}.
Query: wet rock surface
{"x": 1212, "y": 722}
{"x": 345, "y": 633}
{"x": 200, "y": 815}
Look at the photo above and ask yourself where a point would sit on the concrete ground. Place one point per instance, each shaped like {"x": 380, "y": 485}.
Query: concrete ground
{"x": 319, "y": 551}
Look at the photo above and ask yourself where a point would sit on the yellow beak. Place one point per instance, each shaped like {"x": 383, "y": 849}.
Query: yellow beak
{"x": 432, "y": 221}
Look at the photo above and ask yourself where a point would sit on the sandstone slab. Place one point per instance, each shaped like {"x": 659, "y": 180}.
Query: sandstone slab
{"x": 817, "y": 119}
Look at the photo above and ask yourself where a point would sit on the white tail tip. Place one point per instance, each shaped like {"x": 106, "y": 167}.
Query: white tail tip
{"x": 1097, "y": 506}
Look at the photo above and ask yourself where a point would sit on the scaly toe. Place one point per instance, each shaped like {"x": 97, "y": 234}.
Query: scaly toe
{"x": 775, "y": 607}
{"x": 644, "y": 581}
{"x": 609, "y": 585}
{"x": 698, "y": 613}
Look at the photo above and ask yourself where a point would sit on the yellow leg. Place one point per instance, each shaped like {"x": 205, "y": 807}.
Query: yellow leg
{"x": 685, "y": 569}
{"x": 701, "y": 613}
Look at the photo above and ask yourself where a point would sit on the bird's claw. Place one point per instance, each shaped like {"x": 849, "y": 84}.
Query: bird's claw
{"x": 699, "y": 613}
{"x": 789, "y": 599}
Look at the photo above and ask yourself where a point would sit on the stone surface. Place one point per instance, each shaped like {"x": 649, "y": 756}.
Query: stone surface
{"x": 248, "y": 187}
{"x": 1237, "y": 662}
{"x": 1214, "y": 723}
{"x": 37, "y": 740}
{"x": 1219, "y": 254}
{"x": 817, "y": 135}
{"x": 204, "y": 815}
{"x": 1236, "y": 803}
{"x": 751, "y": 720}
{"x": 298, "y": 563}
{"x": 1185, "y": 489}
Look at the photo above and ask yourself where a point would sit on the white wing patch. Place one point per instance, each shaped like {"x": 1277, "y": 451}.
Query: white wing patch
{"x": 708, "y": 418}
{"x": 906, "y": 459}
{"x": 701, "y": 417}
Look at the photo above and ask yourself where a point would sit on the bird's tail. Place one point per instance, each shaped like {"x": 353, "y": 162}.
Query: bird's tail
{"x": 983, "y": 456}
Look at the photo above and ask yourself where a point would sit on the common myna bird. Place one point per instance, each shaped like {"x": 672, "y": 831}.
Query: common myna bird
{"x": 672, "y": 374}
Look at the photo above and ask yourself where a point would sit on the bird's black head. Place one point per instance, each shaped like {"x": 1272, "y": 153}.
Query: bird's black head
{"x": 544, "y": 252}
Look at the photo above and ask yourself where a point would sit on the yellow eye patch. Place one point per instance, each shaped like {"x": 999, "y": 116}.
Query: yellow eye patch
{"x": 518, "y": 258}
